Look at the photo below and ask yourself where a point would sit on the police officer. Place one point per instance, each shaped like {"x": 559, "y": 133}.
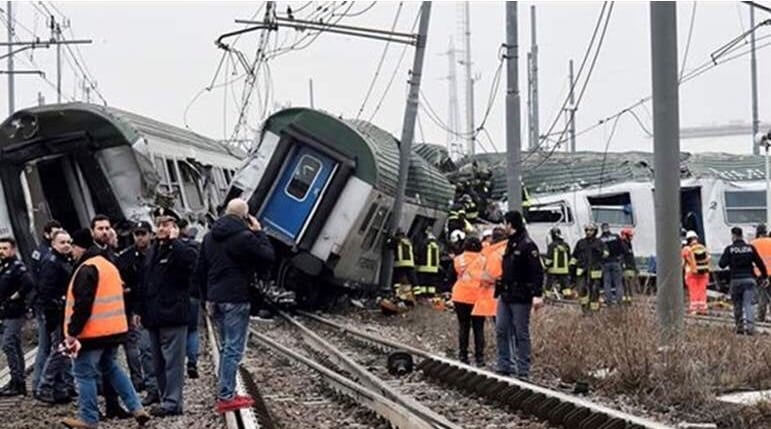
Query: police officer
{"x": 740, "y": 257}
{"x": 519, "y": 290}
{"x": 187, "y": 234}
{"x": 44, "y": 248}
{"x": 15, "y": 285}
{"x": 557, "y": 262}
{"x": 612, "y": 277}
{"x": 137, "y": 346}
{"x": 427, "y": 260}
{"x": 587, "y": 258}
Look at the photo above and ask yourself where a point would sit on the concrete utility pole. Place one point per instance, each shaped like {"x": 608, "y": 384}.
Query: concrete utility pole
{"x": 470, "y": 128}
{"x": 534, "y": 126}
{"x": 666, "y": 158}
{"x": 513, "y": 139}
{"x": 572, "y": 108}
{"x": 754, "y": 83}
{"x": 453, "y": 114}
{"x": 11, "y": 94}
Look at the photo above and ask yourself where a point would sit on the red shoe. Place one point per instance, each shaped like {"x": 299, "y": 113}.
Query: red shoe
{"x": 238, "y": 402}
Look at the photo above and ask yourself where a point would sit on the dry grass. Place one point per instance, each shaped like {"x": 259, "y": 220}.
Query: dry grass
{"x": 682, "y": 380}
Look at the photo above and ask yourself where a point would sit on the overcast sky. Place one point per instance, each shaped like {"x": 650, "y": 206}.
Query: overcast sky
{"x": 152, "y": 58}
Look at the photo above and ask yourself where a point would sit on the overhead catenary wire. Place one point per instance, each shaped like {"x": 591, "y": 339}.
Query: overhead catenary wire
{"x": 688, "y": 40}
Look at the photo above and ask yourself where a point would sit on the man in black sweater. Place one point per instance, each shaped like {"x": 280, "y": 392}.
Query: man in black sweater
{"x": 741, "y": 259}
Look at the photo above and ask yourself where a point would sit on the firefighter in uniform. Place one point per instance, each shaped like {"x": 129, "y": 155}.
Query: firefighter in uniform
{"x": 588, "y": 255}
{"x": 404, "y": 266}
{"x": 427, "y": 267}
{"x": 472, "y": 211}
{"x": 696, "y": 260}
{"x": 629, "y": 265}
{"x": 557, "y": 263}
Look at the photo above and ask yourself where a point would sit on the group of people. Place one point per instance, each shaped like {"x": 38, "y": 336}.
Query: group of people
{"x": 89, "y": 297}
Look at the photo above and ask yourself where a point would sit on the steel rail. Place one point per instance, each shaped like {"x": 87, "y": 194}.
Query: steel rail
{"x": 29, "y": 359}
{"x": 555, "y": 406}
{"x": 394, "y": 413}
{"x": 240, "y": 419}
{"x": 366, "y": 378}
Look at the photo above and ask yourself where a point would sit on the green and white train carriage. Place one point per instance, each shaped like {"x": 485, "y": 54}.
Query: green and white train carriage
{"x": 323, "y": 189}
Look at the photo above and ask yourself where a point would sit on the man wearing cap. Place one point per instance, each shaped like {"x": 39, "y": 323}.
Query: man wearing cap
{"x": 762, "y": 243}
{"x": 138, "y": 355}
{"x": 164, "y": 309}
{"x": 696, "y": 259}
{"x": 94, "y": 325}
{"x": 741, "y": 258}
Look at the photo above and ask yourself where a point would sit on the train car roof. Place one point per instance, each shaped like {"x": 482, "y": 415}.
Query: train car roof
{"x": 106, "y": 125}
{"x": 561, "y": 171}
{"x": 375, "y": 151}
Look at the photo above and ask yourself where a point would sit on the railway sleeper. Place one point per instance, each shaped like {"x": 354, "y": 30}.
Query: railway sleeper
{"x": 594, "y": 421}
{"x": 614, "y": 423}
{"x": 543, "y": 410}
{"x": 560, "y": 411}
{"x": 533, "y": 402}
{"x": 574, "y": 418}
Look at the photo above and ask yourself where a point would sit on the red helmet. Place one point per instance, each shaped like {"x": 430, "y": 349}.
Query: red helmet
{"x": 627, "y": 233}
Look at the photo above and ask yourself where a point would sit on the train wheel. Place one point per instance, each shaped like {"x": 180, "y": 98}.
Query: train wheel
{"x": 307, "y": 291}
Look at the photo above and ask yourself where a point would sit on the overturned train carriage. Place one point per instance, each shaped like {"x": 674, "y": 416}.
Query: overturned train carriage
{"x": 71, "y": 161}
{"x": 323, "y": 189}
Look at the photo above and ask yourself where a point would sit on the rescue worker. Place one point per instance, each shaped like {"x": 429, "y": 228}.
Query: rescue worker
{"x": 44, "y": 248}
{"x": 696, "y": 259}
{"x": 94, "y": 325}
{"x": 427, "y": 260}
{"x": 487, "y": 305}
{"x": 587, "y": 258}
{"x": 457, "y": 220}
{"x": 404, "y": 266}
{"x": 519, "y": 291}
{"x": 53, "y": 382}
{"x": 15, "y": 285}
{"x": 472, "y": 211}
{"x": 164, "y": 309}
{"x": 469, "y": 267}
{"x": 138, "y": 353}
{"x": 629, "y": 265}
{"x": 612, "y": 277}
{"x": 762, "y": 243}
{"x": 557, "y": 263}
{"x": 739, "y": 258}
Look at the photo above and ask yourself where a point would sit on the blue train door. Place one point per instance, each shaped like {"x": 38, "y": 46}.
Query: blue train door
{"x": 296, "y": 194}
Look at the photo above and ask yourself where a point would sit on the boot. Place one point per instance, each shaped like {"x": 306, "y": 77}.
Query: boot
{"x": 14, "y": 388}
{"x": 192, "y": 371}
{"x": 76, "y": 423}
{"x": 116, "y": 411}
{"x": 151, "y": 398}
{"x": 141, "y": 417}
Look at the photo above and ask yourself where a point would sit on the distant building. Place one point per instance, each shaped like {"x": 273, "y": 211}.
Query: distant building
{"x": 735, "y": 138}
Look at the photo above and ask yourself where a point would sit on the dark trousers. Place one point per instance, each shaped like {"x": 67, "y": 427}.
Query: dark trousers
{"x": 467, "y": 322}
{"x": 168, "y": 347}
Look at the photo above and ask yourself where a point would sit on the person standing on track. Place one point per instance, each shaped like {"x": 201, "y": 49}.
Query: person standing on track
{"x": 469, "y": 268}
{"x": 762, "y": 243}
{"x": 15, "y": 286}
{"x": 231, "y": 254}
{"x": 740, "y": 257}
{"x": 696, "y": 259}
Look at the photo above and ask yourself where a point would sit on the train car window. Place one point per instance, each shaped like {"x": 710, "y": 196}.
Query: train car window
{"x": 615, "y": 209}
{"x": 160, "y": 168}
{"x": 374, "y": 228}
{"x": 228, "y": 176}
{"x": 383, "y": 231}
{"x": 549, "y": 213}
{"x": 172, "y": 171}
{"x": 745, "y": 206}
{"x": 308, "y": 168}
{"x": 190, "y": 186}
{"x": 367, "y": 218}
{"x": 419, "y": 224}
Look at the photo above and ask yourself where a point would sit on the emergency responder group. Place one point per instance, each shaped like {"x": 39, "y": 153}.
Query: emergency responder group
{"x": 89, "y": 298}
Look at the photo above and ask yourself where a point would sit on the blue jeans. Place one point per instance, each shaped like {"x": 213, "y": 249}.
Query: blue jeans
{"x": 612, "y": 278}
{"x": 742, "y": 294}
{"x": 512, "y": 331}
{"x": 11, "y": 344}
{"x": 192, "y": 334}
{"x": 43, "y": 347}
{"x": 89, "y": 367}
{"x": 56, "y": 377}
{"x": 232, "y": 321}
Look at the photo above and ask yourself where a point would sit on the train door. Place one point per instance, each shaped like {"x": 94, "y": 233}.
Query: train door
{"x": 690, "y": 209}
{"x": 297, "y": 193}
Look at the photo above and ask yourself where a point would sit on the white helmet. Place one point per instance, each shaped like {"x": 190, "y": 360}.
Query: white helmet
{"x": 691, "y": 234}
{"x": 457, "y": 236}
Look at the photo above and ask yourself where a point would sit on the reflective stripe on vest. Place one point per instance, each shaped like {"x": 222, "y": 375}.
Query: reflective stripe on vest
{"x": 559, "y": 260}
{"x": 432, "y": 259}
{"x": 494, "y": 262}
{"x": 469, "y": 267}
{"x": 404, "y": 254}
{"x": 701, "y": 257}
{"x": 763, "y": 246}
{"x": 108, "y": 313}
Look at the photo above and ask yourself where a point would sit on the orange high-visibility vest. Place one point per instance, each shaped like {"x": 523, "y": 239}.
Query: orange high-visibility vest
{"x": 487, "y": 305}
{"x": 108, "y": 313}
{"x": 468, "y": 267}
{"x": 763, "y": 245}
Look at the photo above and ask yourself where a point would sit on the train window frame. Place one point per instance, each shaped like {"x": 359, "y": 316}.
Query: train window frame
{"x": 365, "y": 223}
{"x": 295, "y": 175}
{"x": 743, "y": 208}
{"x": 562, "y": 206}
{"x": 186, "y": 169}
{"x": 383, "y": 230}
{"x": 629, "y": 217}
{"x": 374, "y": 228}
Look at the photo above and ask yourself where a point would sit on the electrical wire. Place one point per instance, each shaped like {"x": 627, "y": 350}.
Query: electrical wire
{"x": 688, "y": 40}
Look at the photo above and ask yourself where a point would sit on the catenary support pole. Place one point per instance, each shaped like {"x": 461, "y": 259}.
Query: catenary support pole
{"x": 408, "y": 134}
{"x": 754, "y": 84}
{"x": 534, "y": 94}
{"x": 666, "y": 158}
{"x": 470, "y": 127}
{"x": 513, "y": 139}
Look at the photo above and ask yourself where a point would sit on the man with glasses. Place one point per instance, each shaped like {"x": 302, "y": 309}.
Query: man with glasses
{"x": 137, "y": 346}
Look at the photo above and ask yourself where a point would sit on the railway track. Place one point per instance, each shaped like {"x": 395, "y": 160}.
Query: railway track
{"x": 554, "y": 407}
{"x": 7, "y": 404}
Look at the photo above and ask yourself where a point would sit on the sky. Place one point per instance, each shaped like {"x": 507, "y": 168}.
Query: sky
{"x": 157, "y": 58}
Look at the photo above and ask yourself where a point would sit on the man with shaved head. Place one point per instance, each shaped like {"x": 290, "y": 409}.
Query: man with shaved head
{"x": 230, "y": 255}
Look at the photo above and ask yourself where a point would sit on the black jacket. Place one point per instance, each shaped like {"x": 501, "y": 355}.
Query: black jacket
{"x": 84, "y": 286}
{"x": 52, "y": 281}
{"x": 522, "y": 277}
{"x": 130, "y": 263}
{"x": 615, "y": 248}
{"x": 38, "y": 256}
{"x": 165, "y": 285}
{"x": 739, "y": 257}
{"x": 628, "y": 259}
{"x": 589, "y": 253}
{"x": 15, "y": 279}
{"x": 230, "y": 256}
{"x": 195, "y": 282}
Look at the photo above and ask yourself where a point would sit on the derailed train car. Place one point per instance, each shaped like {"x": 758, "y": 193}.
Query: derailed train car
{"x": 323, "y": 189}
{"x": 72, "y": 161}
